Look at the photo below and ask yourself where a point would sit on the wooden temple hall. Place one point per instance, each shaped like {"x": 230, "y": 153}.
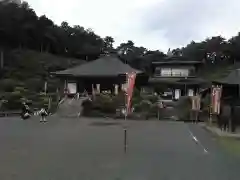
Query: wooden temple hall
{"x": 180, "y": 75}
{"x": 108, "y": 73}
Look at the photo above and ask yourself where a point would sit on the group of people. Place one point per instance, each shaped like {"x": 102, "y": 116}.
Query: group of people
{"x": 26, "y": 113}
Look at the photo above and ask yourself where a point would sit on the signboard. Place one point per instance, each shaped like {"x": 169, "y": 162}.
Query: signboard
{"x": 190, "y": 92}
{"x": 177, "y": 93}
{"x": 72, "y": 88}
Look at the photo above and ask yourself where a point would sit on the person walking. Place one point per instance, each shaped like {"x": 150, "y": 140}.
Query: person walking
{"x": 25, "y": 114}
{"x": 43, "y": 114}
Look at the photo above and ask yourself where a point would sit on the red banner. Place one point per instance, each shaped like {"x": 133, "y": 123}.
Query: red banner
{"x": 216, "y": 97}
{"x": 129, "y": 89}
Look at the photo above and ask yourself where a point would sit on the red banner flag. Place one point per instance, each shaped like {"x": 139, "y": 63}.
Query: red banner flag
{"x": 216, "y": 97}
{"x": 129, "y": 89}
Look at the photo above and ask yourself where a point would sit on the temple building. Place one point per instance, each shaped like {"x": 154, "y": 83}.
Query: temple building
{"x": 178, "y": 75}
{"x": 106, "y": 73}
{"x": 230, "y": 84}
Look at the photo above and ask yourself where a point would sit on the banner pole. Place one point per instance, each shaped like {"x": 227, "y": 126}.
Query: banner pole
{"x": 130, "y": 78}
{"x": 125, "y": 119}
{"x": 211, "y": 106}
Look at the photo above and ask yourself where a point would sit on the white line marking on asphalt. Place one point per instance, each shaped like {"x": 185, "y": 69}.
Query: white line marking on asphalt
{"x": 197, "y": 141}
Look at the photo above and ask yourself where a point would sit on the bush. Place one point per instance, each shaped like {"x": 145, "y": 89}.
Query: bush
{"x": 143, "y": 106}
{"x": 35, "y": 84}
{"x": 183, "y": 108}
{"x": 53, "y": 84}
{"x": 87, "y": 107}
{"x": 205, "y": 102}
{"x": 152, "y": 98}
{"x": 8, "y": 85}
{"x": 154, "y": 110}
{"x": 136, "y": 92}
{"x": 104, "y": 103}
{"x": 119, "y": 100}
{"x": 14, "y": 100}
{"x": 136, "y": 98}
{"x": 54, "y": 106}
{"x": 108, "y": 104}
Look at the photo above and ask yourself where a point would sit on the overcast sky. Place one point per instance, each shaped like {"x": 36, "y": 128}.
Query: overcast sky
{"x": 154, "y": 24}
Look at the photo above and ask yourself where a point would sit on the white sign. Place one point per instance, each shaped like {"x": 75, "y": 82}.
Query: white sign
{"x": 124, "y": 87}
{"x": 190, "y": 92}
{"x": 98, "y": 88}
{"x": 72, "y": 87}
{"x": 177, "y": 93}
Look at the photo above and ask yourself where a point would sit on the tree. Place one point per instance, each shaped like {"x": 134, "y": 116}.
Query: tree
{"x": 177, "y": 52}
{"x": 108, "y": 43}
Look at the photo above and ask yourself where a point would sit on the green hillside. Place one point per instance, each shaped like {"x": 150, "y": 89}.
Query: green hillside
{"x": 24, "y": 74}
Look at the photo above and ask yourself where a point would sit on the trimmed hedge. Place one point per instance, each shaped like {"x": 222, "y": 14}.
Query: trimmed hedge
{"x": 183, "y": 108}
{"x": 110, "y": 105}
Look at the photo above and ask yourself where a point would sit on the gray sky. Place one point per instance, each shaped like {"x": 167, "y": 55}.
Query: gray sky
{"x": 154, "y": 24}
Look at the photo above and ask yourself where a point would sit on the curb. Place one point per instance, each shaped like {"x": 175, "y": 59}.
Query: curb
{"x": 226, "y": 135}
{"x": 205, "y": 127}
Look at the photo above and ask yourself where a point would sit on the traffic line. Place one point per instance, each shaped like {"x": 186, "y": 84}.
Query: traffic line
{"x": 197, "y": 141}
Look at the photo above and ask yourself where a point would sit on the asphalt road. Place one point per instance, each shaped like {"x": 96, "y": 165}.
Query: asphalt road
{"x": 87, "y": 149}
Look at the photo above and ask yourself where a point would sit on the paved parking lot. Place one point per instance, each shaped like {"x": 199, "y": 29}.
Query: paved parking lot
{"x": 92, "y": 149}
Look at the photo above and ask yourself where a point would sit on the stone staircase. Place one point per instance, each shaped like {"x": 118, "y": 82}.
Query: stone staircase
{"x": 71, "y": 107}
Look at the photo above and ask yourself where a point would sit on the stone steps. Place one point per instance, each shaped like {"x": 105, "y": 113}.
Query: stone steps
{"x": 71, "y": 107}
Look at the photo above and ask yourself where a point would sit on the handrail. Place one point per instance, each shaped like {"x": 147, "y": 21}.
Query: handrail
{"x": 62, "y": 100}
{"x": 76, "y": 96}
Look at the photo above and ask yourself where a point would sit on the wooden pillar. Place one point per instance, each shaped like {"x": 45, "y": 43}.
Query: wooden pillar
{"x": 116, "y": 89}
{"x": 98, "y": 88}
{"x": 65, "y": 88}
{"x": 45, "y": 87}
{"x": 122, "y": 87}
{"x": 65, "y": 83}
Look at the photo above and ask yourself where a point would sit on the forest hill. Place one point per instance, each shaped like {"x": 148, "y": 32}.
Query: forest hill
{"x": 31, "y": 47}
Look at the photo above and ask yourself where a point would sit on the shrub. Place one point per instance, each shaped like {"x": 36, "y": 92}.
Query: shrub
{"x": 87, "y": 107}
{"x": 154, "y": 110}
{"x": 14, "y": 100}
{"x": 143, "y": 106}
{"x": 35, "y": 84}
{"x": 119, "y": 100}
{"x": 205, "y": 102}
{"x": 53, "y": 84}
{"x": 136, "y": 92}
{"x": 53, "y": 107}
{"x": 104, "y": 103}
{"x": 136, "y": 100}
{"x": 183, "y": 108}
{"x": 152, "y": 98}
{"x": 8, "y": 85}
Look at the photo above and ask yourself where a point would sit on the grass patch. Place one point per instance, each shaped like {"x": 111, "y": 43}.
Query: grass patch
{"x": 231, "y": 145}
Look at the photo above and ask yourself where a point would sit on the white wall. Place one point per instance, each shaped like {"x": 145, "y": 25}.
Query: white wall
{"x": 177, "y": 93}
{"x": 72, "y": 87}
{"x": 172, "y": 72}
